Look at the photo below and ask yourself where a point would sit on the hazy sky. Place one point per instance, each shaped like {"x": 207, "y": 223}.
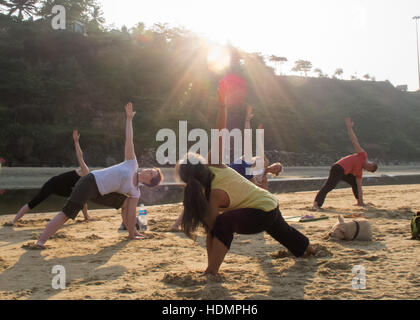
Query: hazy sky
{"x": 377, "y": 37}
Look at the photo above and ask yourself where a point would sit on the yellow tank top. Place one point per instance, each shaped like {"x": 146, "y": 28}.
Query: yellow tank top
{"x": 242, "y": 192}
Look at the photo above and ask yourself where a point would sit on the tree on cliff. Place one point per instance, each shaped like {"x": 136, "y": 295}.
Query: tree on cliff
{"x": 302, "y": 66}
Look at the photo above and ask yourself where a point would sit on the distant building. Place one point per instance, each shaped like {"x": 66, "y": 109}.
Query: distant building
{"x": 402, "y": 87}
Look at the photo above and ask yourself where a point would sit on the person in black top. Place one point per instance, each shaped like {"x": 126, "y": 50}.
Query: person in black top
{"x": 63, "y": 184}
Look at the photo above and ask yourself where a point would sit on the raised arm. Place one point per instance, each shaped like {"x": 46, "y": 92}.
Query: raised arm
{"x": 220, "y": 124}
{"x": 248, "y": 117}
{"x": 248, "y": 137}
{"x": 79, "y": 154}
{"x": 129, "y": 144}
{"x": 352, "y": 136}
{"x": 260, "y": 162}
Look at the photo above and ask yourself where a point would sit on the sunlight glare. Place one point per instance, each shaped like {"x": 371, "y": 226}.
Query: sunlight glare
{"x": 218, "y": 59}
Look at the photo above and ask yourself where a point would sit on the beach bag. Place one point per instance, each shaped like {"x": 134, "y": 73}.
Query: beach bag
{"x": 415, "y": 227}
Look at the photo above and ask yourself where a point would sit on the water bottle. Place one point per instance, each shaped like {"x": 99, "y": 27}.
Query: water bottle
{"x": 143, "y": 218}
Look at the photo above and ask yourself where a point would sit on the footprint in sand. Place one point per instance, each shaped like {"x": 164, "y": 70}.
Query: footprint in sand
{"x": 372, "y": 258}
{"x": 190, "y": 279}
{"x": 3, "y": 264}
{"x": 93, "y": 237}
{"x": 126, "y": 289}
{"x": 24, "y": 223}
{"x": 58, "y": 235}
{"x": 337, "y": 265}
{"x": 320, "y": 252}
{"x": 34, "y": 246}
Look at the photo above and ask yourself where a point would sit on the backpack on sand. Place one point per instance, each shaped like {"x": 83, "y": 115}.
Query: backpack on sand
{"x": 415, "y": 227}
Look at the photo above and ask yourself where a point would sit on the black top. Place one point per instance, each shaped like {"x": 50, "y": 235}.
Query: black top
{"x": 63, "y": 184}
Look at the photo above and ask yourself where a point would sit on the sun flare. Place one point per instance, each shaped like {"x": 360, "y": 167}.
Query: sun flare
{"x": 218, "y": 59}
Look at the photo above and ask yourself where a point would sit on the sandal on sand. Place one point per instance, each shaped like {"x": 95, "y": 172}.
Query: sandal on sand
{"x": 33, "y": 246}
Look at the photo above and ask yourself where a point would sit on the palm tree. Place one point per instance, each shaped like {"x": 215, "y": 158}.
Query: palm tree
{"x": 278, "y": 61}
{"x": 302, "y": 66}
{"x": 338, "y": 72}
{"x": 22, "y": 7}
{"x": 319, "y": 72}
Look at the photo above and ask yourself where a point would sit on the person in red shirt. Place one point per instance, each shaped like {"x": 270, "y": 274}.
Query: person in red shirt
{"x": 348, "y": 169}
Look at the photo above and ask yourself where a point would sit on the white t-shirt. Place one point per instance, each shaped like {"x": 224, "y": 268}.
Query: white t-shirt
{"x": 118, "y": 178}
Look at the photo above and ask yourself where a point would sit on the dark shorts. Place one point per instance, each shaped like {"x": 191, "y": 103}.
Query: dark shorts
{"x": 251, "y": 221}
{"x": 86, "y": 189}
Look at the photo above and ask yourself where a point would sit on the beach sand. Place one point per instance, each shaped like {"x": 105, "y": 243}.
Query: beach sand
{"x": 101, "y": 264}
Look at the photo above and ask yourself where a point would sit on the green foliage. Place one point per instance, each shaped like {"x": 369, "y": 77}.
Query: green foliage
{"x": 21, "y": 8}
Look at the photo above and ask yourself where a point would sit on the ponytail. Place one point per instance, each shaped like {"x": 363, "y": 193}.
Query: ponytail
{"x": 197, "y": 177}
{"x": 195, "y": 207}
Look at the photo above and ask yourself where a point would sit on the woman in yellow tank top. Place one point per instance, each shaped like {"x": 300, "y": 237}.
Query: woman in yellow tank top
{"x": 246, "y": 208}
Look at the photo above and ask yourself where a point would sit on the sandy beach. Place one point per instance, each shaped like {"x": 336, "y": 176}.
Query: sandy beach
{"x": 101, "y": 264}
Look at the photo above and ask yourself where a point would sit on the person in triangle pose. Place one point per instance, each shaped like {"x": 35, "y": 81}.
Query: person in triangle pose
{"x": 124, "y": 178}
{"x": 62, "y": 185}
{"x": 348, "y": 169}
{"x": 224, "y": 202}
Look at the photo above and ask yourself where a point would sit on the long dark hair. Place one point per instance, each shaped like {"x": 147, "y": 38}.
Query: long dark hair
{"x": 197, "y": 176}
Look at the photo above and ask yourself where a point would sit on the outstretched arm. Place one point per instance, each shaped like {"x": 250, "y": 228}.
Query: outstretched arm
{"x": 129, "y": 144}
{"x": 220, "y": 124}
{"x": 79, "y": 153}
{"x": 352, "y": 136}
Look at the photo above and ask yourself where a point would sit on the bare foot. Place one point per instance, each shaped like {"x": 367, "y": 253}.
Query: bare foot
{"x": 90, "y": 219}
{"x": 137, "y": 237}
{"x": 310, "y": 251}
{"x": 315, "y": 207}
{"x": 207, "y": 272}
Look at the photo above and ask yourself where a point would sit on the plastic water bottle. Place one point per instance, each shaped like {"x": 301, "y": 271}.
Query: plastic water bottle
{"x": 143, "y": 218}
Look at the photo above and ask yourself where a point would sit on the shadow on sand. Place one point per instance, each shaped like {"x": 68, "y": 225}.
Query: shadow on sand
{"x": 32, "y": 273}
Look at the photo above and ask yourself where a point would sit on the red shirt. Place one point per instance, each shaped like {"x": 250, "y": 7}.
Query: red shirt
{"x": 353, "y": 164}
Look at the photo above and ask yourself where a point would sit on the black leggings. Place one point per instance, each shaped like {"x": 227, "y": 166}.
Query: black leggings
{"x": 336, "y": 175}
{"x": 47, "y": 189}
{"x": 251, "y": 221}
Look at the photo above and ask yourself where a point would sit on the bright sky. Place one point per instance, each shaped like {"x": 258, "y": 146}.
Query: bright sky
{"x": 377, "y": 37}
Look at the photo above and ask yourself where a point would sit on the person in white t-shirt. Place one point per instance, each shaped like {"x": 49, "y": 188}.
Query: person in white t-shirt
{"x": 123, "y": 178}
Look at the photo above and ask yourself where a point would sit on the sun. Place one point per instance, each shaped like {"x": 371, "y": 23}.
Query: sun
{"x": 218, "y": 58}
